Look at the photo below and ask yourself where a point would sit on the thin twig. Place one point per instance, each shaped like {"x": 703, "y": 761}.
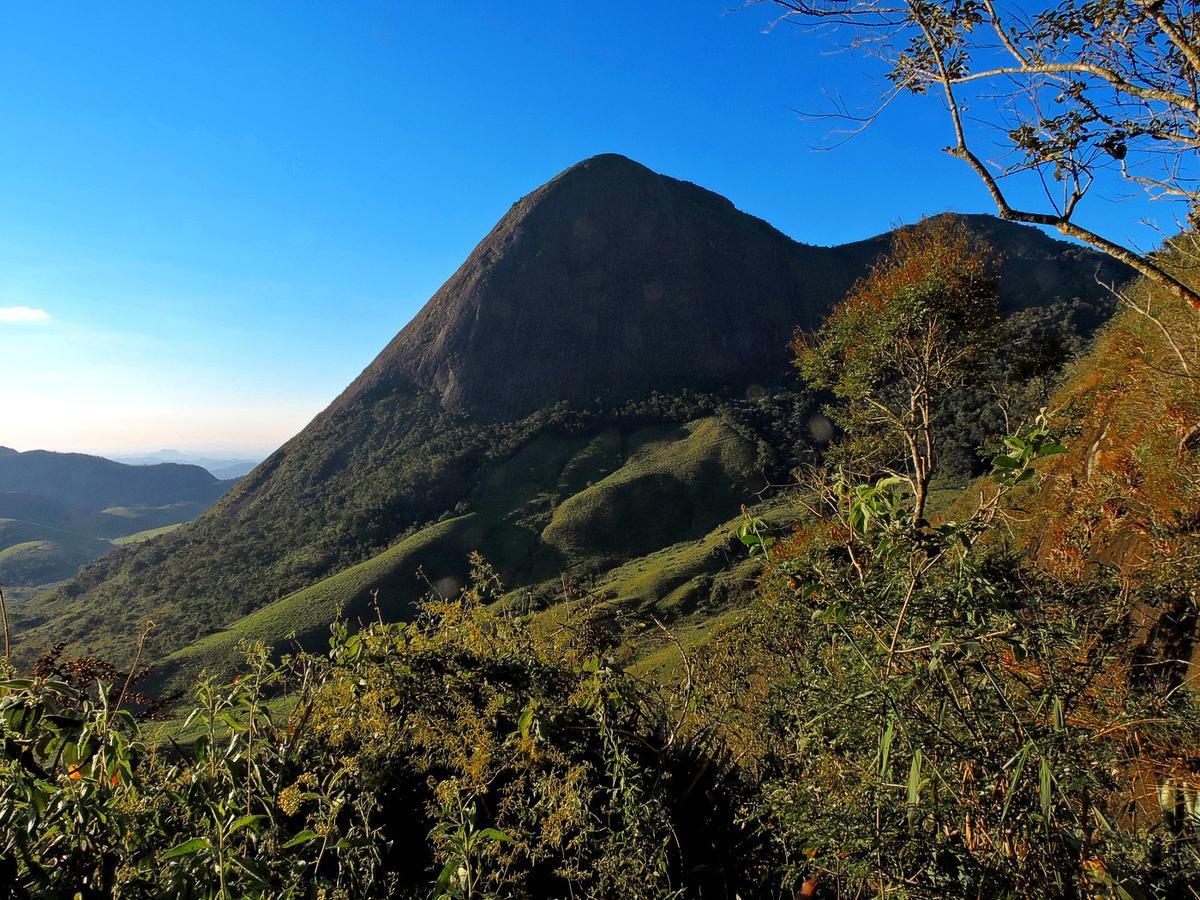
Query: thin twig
{"x": 137, "y": 658}
{"x": 4, "y": 617}
{"x": 688, "y": 682}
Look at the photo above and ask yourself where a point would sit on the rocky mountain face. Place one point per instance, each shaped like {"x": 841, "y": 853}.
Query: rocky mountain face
{"x": 612, "y": 281}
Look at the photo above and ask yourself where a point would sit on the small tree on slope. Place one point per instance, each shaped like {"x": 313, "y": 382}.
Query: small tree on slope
{"x": 903, "y": 338}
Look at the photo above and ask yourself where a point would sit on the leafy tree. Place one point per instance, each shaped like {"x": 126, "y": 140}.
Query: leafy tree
{"x": 1071, "y": 92}
{"x": 901, "y": 341}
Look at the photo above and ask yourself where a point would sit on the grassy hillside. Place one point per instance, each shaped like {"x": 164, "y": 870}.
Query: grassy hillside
{"x": 32, "y": 554}
{"x": 675, "y": 482}
{"x": 693, "y": 585}
{"x": 519, "y": 500}
{"x": 316, "y": 508}
{"x": 303, "y": 619}
{"x": 148, "y": 534}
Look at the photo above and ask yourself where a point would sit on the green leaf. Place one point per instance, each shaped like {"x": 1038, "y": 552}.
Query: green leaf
{"x": 1044, "y": 788}
{"x": 885, "y": 747}
{"x": 525, "y": 722}
{"x": 493, "y": 834}
{"x": 302, "y": 838}
{"x": 192, "y": 846}
{"x": 1015, "y": 780}
{"x": 246, "y": 821}
{"x": 914, "y": 786}
{"x": 443, "y": 882}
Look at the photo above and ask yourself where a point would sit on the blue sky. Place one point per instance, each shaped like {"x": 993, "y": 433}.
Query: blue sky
{"x": 225, "y": 210}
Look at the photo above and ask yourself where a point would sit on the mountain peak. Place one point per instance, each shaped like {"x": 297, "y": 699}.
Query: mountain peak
{"x": 613, "y": 173}
{"x": 612, "y": 281}
{"x": 608, "y": 281}
{"x": 607, "y": 160}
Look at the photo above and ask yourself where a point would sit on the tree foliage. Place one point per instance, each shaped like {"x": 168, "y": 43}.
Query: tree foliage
{"x": 927, "y": 715}
{"x": 902, "y": 341}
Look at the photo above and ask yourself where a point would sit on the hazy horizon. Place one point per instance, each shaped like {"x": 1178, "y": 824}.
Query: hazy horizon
{"x": 216, "y": 451}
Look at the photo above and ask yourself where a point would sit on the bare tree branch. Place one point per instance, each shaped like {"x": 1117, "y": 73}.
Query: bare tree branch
{"x": 1075, "y": 90}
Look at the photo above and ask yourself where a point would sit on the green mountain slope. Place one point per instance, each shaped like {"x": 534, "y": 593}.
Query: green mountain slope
{"x": 532, "y": 509}
{"x": 675, "y": 484}
{"x": 31, "y": 553}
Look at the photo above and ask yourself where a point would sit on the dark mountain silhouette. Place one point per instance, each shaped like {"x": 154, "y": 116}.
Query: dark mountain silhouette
{"x": 93, "y": 483}
{"x": 610, "y": 282}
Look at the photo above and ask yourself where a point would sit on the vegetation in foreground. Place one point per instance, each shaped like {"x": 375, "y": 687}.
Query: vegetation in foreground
{"x": 458, "y": 755}
{"x": 907, "y": 712}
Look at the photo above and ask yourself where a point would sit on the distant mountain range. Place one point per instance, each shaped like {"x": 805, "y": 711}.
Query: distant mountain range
{"x": 59, "y": 511}
{"x": 572, "y": 403}
{"x": 221, "y": 467}
{"x": 92, "y": 483}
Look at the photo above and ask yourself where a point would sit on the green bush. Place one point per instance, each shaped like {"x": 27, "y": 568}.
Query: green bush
{"x": 459, "y": 755}
{"x": 927, "y": 715}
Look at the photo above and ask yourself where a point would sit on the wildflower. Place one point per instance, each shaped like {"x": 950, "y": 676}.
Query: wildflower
{"x": 289, "y": 800}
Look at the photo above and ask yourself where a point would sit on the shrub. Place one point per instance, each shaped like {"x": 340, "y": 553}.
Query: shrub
{"x": 460, "y": 753}
{"x": 927, "y": 715}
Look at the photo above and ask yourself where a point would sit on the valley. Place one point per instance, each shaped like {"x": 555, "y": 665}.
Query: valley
{"x": 60, "y": 511}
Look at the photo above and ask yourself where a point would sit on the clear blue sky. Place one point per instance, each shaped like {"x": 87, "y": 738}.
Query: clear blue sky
{"x": 224, "y": 210}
